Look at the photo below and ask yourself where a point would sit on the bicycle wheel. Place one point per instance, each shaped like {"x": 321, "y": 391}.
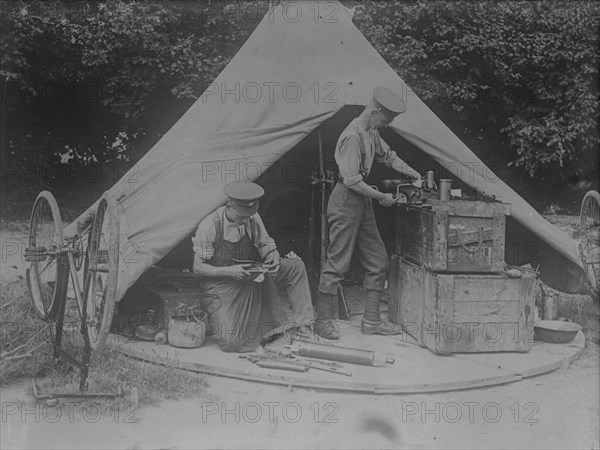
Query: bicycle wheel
{"x": 48, "y": 276}
{"x": 100, "y": 273}
{"x": 589, "y": 231}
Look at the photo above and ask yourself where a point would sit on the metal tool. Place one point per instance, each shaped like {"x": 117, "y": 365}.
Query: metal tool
{"x": 326, "y": 366}
{"x": 341, "y": 354}
{"x": 406, "y": 193}
{"x": 343, "y": 310}
{"x": 274, "y": 363}
{"x": 255, "y": 266}
{"x": 286, "y": 354}
{"x": 46, "y": 396}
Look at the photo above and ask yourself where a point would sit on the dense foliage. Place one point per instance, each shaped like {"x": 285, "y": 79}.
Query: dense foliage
{"x": 530, "y": 68}
{"x": 83, "y": 80}
{"x": 100, "y": 81}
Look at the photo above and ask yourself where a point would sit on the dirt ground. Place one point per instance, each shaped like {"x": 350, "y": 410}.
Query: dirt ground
{"x": 556, "y": 410}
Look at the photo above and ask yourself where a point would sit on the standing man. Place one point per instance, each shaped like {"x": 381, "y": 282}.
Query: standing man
{"x": 246, "y": 308}
{"x": 350, "y": 214}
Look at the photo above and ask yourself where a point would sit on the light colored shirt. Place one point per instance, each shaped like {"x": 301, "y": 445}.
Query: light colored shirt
{"x": 206, "y": 235}
{"x": 348, "y": 157}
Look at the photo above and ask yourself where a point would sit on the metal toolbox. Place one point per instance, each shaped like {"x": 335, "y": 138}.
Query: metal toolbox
{"x": 462, "y": 313}
{"x": 454, "y": 235}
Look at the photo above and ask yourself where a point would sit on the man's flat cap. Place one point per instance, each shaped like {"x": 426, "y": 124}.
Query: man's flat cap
{"x": 244, "y": 196}
{"x": 388, "y": 100}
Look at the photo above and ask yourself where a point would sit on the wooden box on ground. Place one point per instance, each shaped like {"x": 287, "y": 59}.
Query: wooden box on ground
{"x": 455, "y": 235}
{"x": 462, "y": 313}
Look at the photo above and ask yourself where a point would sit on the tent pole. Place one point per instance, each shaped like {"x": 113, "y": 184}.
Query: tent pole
{"x": 323, "y": 187}
{"x": 314, "y": 179}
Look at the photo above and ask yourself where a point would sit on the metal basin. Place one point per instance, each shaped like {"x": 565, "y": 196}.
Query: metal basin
{"x": 556, "y": 331}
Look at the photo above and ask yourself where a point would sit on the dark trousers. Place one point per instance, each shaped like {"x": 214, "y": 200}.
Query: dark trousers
{"x": 352, "y": 223}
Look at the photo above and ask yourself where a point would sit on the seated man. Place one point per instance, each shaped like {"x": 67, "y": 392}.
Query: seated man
{"x": 244, "y": 307}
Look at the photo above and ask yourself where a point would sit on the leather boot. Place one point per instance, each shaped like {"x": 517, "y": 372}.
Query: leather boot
{"x": 324, "y": 325}
{"x": 383, "y": 327}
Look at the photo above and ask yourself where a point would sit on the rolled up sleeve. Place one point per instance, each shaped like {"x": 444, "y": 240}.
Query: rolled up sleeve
{"x": 348, "y": 160}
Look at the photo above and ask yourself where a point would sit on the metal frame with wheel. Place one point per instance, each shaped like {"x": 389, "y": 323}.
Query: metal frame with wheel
{"x": 47, "y": 277}
{"x": 53, "y": 257}
{"x": 101, "y": 271}
{"x": 589, "y": 232}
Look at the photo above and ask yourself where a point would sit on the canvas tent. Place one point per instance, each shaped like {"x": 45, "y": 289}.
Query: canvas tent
{"x": 294, "y": 72}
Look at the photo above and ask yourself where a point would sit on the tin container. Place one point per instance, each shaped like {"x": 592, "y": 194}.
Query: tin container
{"x": 445, "y": 187}
{"x": 430, "y": 180}
{"x": 187, "y": 330}
{"x": 550, "y": 307}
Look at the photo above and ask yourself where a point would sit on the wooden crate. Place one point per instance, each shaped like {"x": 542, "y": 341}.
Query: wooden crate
{"x": 456, "y": 235}
{"x": 462, "y": 313}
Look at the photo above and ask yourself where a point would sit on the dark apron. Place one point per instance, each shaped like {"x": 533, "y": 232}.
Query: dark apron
{"x": 240, "y": 312}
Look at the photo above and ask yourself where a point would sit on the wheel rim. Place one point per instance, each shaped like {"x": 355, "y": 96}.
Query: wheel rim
{"x": 101, "y": 271}
{"x": 590, "y": 236}
{"x": 45, "y": 233}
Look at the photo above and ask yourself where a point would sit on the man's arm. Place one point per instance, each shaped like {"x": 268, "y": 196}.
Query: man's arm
{"x": 363, "y": 188}
{"x": 348, "y": 159}
{"x": 204, "y": 249}
{"x": 401, "y": 167}
{"x": 391, "y": 159}
{"x": 237, "y": 272}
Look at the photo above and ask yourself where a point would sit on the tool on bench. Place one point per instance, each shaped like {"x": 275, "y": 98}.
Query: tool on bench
{"x": 341, "y": 354}
{"x": 407, "y": 192}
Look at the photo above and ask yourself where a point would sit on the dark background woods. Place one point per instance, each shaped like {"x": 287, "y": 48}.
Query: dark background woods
{"x": 89, "y": 87}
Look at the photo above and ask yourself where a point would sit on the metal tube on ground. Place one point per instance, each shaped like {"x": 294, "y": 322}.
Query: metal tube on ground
{"x": 281, "y": 365}
{"x": 341, "y": 354}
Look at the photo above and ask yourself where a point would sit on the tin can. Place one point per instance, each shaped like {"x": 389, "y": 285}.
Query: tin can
{"x": 430, "y": 180}
{"x": 445, "y": 187}
{"x": 550, "y": 306}
{"x": 187, "y": 331}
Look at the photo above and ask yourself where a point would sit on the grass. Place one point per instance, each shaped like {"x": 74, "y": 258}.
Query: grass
{"x": 584, "y": 310}
{"x": 108, "y": 368}
{"x": 21, "y": 333}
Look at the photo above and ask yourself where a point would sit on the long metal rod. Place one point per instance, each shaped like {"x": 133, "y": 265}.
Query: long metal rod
{"x": 87, "y": 349}
{"x": 324, "y": 234}
{"x": 75, "y": 280}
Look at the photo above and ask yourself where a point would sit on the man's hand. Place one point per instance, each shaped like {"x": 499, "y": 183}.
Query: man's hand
{"x": 272, "y": 261}
{"x": 238, "y": 272}
{"x": 388, "y": 200}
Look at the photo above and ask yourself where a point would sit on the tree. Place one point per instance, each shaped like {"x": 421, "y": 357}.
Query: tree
{"x": 526, "y": 71}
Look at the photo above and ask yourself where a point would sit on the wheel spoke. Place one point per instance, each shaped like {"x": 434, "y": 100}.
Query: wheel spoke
{"x": 50, "y": 261}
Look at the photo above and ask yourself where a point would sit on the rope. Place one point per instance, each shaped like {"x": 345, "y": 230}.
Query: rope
{"x": 479, "y": 245}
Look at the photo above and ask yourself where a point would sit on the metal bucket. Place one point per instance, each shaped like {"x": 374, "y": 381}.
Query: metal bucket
{"x": 187, "y": 330}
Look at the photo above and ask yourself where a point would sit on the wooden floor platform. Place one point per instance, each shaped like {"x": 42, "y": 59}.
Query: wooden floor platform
{"x": 416, "y": 369}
